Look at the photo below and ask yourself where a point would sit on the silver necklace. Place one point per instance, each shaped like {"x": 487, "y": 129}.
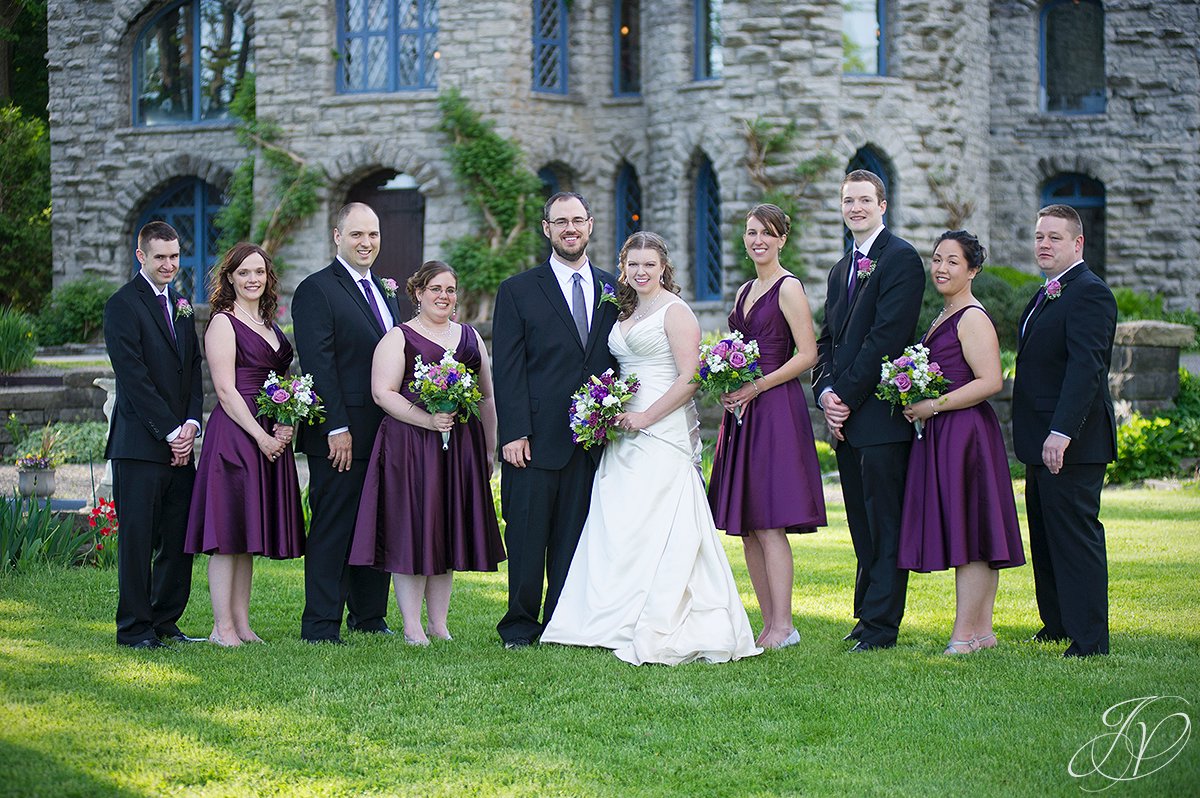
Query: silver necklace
{"x": 246, "y": 313}
{"x": 643, "y": 313}
{"x": 435, "y": 336}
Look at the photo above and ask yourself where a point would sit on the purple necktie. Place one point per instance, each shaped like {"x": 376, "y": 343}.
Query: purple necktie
{"x": 1041, "y": 297}
{"x": 366, "y": 284}
{"x": 166, "y": 309}
{"x": 853, "y": 276}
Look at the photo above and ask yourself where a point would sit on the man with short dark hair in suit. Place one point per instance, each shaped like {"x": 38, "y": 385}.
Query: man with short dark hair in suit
{"x": 1064, "y": 431}
{"x": 872, "y": 303}
{"x": 151, "y": 340}
{"x": 339, "y": 314}
{"x": 550, "y": 334}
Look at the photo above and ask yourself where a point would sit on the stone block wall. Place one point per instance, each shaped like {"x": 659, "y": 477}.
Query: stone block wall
{"x": 34, "y": 406}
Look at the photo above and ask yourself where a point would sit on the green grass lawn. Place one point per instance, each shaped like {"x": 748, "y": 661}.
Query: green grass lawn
{"x": 78, "y": 716}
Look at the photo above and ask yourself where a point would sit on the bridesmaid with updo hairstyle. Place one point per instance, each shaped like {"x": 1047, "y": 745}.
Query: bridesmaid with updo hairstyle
{"x": 426, "y": 512}
{"x": 959, "y": 510}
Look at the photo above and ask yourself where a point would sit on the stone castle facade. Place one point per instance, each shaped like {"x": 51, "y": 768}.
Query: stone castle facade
{"x": 957, "y": 118}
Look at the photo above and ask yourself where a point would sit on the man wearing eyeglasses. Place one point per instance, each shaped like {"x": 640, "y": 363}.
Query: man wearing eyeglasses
{"x": 550, "y": 334}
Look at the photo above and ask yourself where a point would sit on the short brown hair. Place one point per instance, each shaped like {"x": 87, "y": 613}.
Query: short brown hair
{"x": 221, "y": 295}
{"x": 421, "y": 277}
{"x": 155, "y": 231}
{"x": 565, "y": 195}
{"x": 1066, "y": 212}
{"x": 863, "y": 176}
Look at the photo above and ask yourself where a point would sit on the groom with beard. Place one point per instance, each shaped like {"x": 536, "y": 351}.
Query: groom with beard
{"x": 550, "y": 334}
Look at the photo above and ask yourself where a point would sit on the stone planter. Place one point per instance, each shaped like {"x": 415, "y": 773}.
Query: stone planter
{"x": 37, "y": 482}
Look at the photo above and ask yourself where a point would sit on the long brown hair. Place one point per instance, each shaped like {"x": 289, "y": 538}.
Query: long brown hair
{"x": 626, "y": 296}
{"x": 221, "y": 295}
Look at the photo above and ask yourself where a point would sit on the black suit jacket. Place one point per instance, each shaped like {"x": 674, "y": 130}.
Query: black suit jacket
{"x": 158, "y": 379}
{"x": 336, "y": 334}
{"x": 538, "y": 360}
{"x": 1062, "y": 372}
{"x": 857, "y": 335}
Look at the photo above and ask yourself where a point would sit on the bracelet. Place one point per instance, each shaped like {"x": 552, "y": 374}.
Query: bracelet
{"x": 755, "y": 384}
{"x": 933, "y": 407}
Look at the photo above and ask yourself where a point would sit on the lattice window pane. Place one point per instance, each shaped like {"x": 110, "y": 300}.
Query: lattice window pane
{"x": 189, "y": 205}
{"x": 549, "y": 68}
{"x": 1073, "y": 57}
{"x": 629, "y": 204}
{"x": 708, "y": 234}
{"x": 377, "y": 15}
{"x": 377, "y": 63}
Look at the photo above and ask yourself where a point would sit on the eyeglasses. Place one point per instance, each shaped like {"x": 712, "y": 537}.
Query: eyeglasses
{"x": 563, "y": 224}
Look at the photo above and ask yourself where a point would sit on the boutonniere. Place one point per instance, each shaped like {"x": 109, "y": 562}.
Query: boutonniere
{"x": 1053, "y": 289}
{"x": 183, "y": 308}
{"x": 866, "y": 266}
{"x": 607, "y": 294}
{"x": 390, "y": 287}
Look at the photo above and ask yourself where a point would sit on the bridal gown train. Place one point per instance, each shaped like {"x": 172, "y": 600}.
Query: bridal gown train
{"x": 650, "y": 579}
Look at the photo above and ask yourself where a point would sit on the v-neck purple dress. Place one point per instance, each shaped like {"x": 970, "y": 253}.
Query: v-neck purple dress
{"x": 765, "y": 473}
{"x": 958, "y": 500}
{"x": 242, "y": 503}
{"x": 424, "y": 510}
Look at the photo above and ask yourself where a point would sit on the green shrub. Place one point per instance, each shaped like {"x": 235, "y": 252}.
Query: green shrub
{"x": 1150, "y": 448}
{"x": 75, "y": 312}
{"x": 17, "y": 341}
{"x": 78, "y": 442}
{"x": 826, "y": 458}
{"x": 1003, "y": 301}
{"x": 31, "y": 535}
{"x": 1133, "y": 305}
{"x": 25, "y": 253}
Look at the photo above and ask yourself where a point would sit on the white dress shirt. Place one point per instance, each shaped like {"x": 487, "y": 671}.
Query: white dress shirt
{"x": 563, "y": 273}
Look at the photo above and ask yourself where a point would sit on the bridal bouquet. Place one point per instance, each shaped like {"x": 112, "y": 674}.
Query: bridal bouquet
{"x": 596, "y": 404}
{"x": 290, "y": 400}
{"x": 447, "y": 386}
{"x": 726, "y": 365}
{"x": 911, "y": 378}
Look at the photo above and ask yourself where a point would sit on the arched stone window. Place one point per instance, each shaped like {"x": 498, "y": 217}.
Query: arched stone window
{"x": 550, "y": 46}
{"x": 627, "y": 47}
{"x": 629, "y": 204}
{"x": 706, "y": 233}
{"x": 864, "y": 29}
{"x": 1072, "y": 57}
{"x": 873, "y": 161}
{"x": 387, "y": 45}
{"x": 708, "y": 59}
{"x": 189, "y": 205}
{"x": 1086, "y": 196}
{"x": 188, "y": 61}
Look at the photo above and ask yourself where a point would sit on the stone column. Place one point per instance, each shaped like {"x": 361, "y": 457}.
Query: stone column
{"x": 1144, "y": 377}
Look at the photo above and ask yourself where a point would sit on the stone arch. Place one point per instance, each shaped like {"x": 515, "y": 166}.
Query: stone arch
{"x": 583, "y": 165}
{"x": 356, "y": 164}
{"x": 163, "y": 170}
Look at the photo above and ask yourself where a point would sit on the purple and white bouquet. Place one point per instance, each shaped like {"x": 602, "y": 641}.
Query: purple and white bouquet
{"x": 447, "y": 386}
{"x": 595, "y": 406}
{"x": 911, "y": 378}
{"x": 726, "y": 364}
{"x": 290, "y": 400}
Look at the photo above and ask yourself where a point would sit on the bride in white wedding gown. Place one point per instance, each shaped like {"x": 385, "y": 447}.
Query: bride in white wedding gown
{"x": 650, "y": 579}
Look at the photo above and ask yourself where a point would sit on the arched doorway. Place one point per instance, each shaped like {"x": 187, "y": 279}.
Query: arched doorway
{"x": 401, "y": 209}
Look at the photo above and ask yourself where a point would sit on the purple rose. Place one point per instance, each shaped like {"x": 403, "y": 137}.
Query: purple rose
{"x": 738, "y": 346}
{"x": 721, "y": 349}
{"x": 902, "y": 382}
{"x": 280, "y": 396}
{"x": 934, "y": 368}
{"x": 904, "y": 362}
{"x": 737, "y": 360}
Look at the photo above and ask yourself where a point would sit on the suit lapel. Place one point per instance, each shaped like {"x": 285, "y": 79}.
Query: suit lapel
{"x": 554, "y": 296}
{"x": 150, "y": 300}
{"x": 839, "y": 311}
{"x": 356, "y": 295}
{"x": 1031, "y": 315}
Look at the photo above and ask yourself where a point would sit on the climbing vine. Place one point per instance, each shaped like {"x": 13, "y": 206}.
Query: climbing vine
{"x": 770, "y": 150}
{"x": 506, "y": 197}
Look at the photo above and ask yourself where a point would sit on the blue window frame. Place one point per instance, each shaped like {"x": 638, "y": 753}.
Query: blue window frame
{"x": 387, "y": 45}
{"x": 864, "y": 37}
{"x": 627, "y": 48}
{"x": 629, "y": 203}
{"x": 708, "y": 59}
{"x": 1087, "y": 196}
{"x": 1072, "y": 57}
{"x": 707, "y": 233}
{"x": 867, "y": 158}
{"x": 189, "y": 205}
{"x": 550, "y": 46}
{"x": 188, "y": 61}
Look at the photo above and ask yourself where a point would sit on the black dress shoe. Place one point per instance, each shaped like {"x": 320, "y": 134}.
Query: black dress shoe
{"x": 855, "y": 633}
{"x": 146, "y": 644}
{"x": 518, "y": 642}
{"x": 1046, "y": 637}
{"x": 179, "y": 637}
{"x": 333, "y": 641}
{"x": 863, "y": 645}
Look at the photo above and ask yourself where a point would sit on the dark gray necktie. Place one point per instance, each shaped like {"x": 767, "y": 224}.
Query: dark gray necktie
{"x": 578, "y": 307}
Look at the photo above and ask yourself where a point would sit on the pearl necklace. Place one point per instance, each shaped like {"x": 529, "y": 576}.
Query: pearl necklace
{"x": 437, "y": 337}
{"x": 246, "y": 313}
{"x": 649, "y": 307}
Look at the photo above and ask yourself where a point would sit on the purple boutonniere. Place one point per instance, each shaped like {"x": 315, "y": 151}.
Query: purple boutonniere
{"x": 607, "y": 294}
{"x": 390, "y": 287}
{"x": 1053, "y": 289}
{"x": 183, "y": 308}
{"x": 866, "y": 267}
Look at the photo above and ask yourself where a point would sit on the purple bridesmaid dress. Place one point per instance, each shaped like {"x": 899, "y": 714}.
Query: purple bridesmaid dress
{"x": 958, "y": 500}
{"x": 765, "y": 473}
{"x": 243, "y": 503}
{"x": 424, "y": 510}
